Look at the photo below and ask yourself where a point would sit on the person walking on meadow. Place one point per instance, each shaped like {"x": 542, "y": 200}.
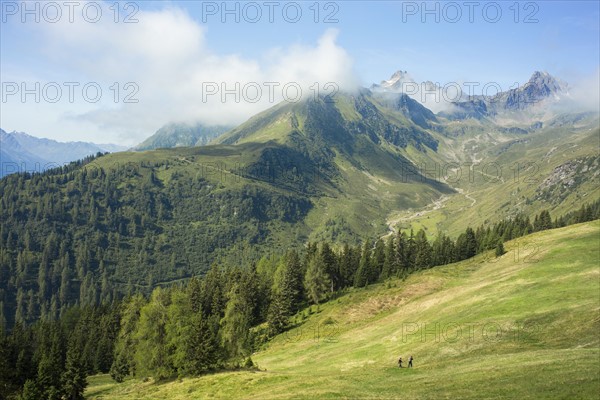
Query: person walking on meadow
{"x": 400, "y": 362}
{"x": 410, "y": 360}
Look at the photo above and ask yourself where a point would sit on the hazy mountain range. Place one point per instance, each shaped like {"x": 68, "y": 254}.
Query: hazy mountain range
{"x": 541, "y": 91}
{"x": 20, "y": 152}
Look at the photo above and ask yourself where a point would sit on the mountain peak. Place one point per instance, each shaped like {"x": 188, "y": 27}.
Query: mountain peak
{"x": 399, "y": 75}
{"x": 395, "y": 83}
{"x": 546, "y": 83}
{"x": 539, "y": 74}
{"x": 177, "y": 134}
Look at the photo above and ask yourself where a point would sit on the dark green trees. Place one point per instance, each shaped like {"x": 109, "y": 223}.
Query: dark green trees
{"x": 316, "y": 281}
{"x": 423, "y": 251}
{"x": 152, "y": 349}
{"x": 363, "y": 272}
{"x": 287, "y": 292}
{"x": 74, "y": 378}
{"x": 236, "y": 324}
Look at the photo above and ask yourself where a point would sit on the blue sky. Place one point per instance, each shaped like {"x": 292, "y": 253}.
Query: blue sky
{"x": 564, "y": 40}
{"x": 176, "y": 47}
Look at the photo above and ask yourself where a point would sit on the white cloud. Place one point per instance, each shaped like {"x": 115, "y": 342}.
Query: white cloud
{"x": 166, "y": 55}
{"x": 584, "y": 92}
{"x": 432, "y": 95}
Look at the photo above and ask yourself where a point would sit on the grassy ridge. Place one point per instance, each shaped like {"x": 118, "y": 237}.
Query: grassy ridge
{"x": 521, "y": 326}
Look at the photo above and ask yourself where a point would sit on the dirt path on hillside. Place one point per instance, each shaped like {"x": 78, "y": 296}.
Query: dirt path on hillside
{"x": 395, "y": 220}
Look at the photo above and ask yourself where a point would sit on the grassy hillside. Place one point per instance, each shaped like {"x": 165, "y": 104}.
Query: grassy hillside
{"x": 181, "y": 134}
{"x": 521, "y": 326}
{"x": 554, "y": 168}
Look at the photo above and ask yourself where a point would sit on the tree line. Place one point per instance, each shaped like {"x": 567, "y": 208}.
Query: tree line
{"x": 85, "y": 235}
{"x": 217, "y": 321}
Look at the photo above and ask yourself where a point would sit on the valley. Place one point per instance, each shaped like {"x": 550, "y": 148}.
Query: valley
{"x": 298, "y": 248}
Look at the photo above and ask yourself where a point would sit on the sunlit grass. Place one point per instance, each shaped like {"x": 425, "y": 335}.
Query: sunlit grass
{"x": 524, "y": 326}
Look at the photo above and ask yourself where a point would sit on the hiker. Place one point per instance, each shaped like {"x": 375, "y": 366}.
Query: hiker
{"x": 410, "y": 362}
{"x": 400, "y": 362}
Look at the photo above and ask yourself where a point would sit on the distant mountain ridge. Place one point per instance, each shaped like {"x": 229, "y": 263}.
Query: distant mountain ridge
{"x": 541, "y": 89}
{"x": 410, "y": 108}
{"x": 20, "y": 152}
{"x": 182, "y": 135}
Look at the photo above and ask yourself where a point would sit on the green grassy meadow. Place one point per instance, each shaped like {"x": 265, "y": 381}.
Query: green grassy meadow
{"x": 523, "y": 326}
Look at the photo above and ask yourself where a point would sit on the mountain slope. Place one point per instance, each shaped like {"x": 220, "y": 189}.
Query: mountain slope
{"x": 181, "y": 135}
{"x": 339, "y": 171}
{"x": 521, "y": 326}
{"x": 134, "y": 220}
{"x": 364, "y": 151}
{"x": 13, "y": 155}
{"x": 503, "y": 172}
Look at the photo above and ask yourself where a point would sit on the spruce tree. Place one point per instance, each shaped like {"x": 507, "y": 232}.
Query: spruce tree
{"x": 277, "y": 316}
{"x": 152, "y": 351}
{"x": 235, "y": 325}
{"x": 74, "y": 378}
{"x": 423, "y": 252}
{"x": 500, "y": 249}
{"x": 330, "y": 267}
{"x": 400, "y": 253}
{"x": 316, "y": 281}
{"x": 361, "y": 278}
{"x": 377, "y": 261}
{"x": 388, "y": 265}
{"x": 345, "y": 267}
{"x": 30, "y": 391}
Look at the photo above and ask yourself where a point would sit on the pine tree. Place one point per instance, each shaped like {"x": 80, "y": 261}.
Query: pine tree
{"x": 316, "y": 281}
{"x": 277, "y": 316}
{"x": 152, "y": 350}
{"x": 500, "y": 249}
{"x": 20, "y": 307}
{"x": 74, "y": 378}
{"x": 388, "y": 265}
{"x": 287, "y": 283}
{"x": 377, "y": 261}
{"x": 410, "y": 251}
{"x": 401, "y": 263}
{"x": 545, "y": 220}
{"x": 330, "y": 266}
{"x": 188, "y": 334}
{"x": 423, "y": 252}
{"x": 2, "y": 319}
{"x": 347, "y": 267}
{"x": 120, "y": 368}
{"x": 235, "y": 325}
{"x": 466, "y": 245}
{"x": 30, "y": 391}
{"x": 65, "y": 282}
{"x": 361, "y": 278}
{"x": 51, "y": 363}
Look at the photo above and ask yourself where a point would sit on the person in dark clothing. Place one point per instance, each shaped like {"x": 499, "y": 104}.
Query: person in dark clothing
{"x": 400, "y": 362}
{"x": 410, "y": 360}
